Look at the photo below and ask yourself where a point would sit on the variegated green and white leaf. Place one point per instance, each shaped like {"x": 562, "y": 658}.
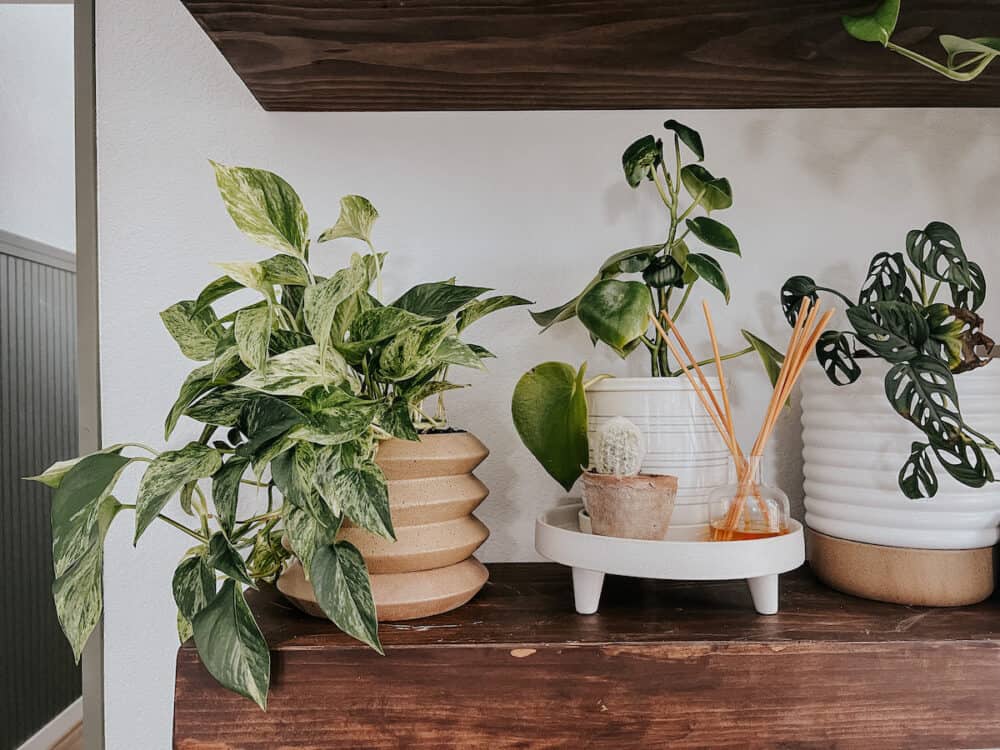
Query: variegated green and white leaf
{"x": 343, "y": 591}
{"x": 253, "y": 333}
{"x": 285, "y": 270}
{"x": 166, "y": 475}
{"x": 231, "y": 645}
{"x": 480, "y": 308}
{"x": 336, "y": 425}
{"x": 412, "y": 350}
{"x": 364, "y": 498}
{"x": 306, "y": 534}
{"x": 53, "y": 476}
{"x": 224, "y": 557}
{"x": 357, "y": 215}
{"x": 78, "y": 598}
{"x": 221, "y": 407}
{"x": 296, "y": 371}
{"x": 396, "y": 420}
{"x": 324, "y": 298}
{"x": 216, "y": 290}
{"x": 195, "y": 384}
{"x": 226, "y": 490}
{"x": 194, "y": 587}
{"x": 453, "y": 351}
{"x": 264, "y": 207}
{"x": 438, "y": 299}
{"x": 196, "y": 333}
{"x": 246, "y": 273}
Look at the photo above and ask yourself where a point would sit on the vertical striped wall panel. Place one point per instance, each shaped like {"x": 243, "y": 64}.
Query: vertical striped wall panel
{"x": 38, "y": 425}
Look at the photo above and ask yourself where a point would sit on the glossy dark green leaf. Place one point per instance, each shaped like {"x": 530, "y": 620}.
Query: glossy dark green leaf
{"x": 886, "y": 280}
{"x": 231, "y": 645}
{"x": 917, "y": 478}
{"x": 971, "y": 296}
{"x": 793, "y": 292}
{"x": 770, "y": 357}
{"x": 922, "y": 391}
{"x": 641, "y": 158}
{"x": 438, "y": 299}
{"x": 293, "y": 473}
{"x": 343, "y": 591}
{"x": 688, "y": 136}
{"x": 226, "y": 490}
{"x": 708, "y": 268}
{"x": 478, "y": 309}
{"x": 836, "y": 356}
{"x": 265, "y": 419}
{"x": 194, "y": 586}
{"x": 631, "y": 260}
{"x": 965, "y": 462}
{"x": 876, "y": 26}
{"x": 264, "y": 207}
{"x": 307, "y": 533}
{"x": 616, "y": 312}
{"x": 196, "y": 333}
{"x": 937, "y": 251}
{"x": 549, "y": 407}
{"x": 166, "y": 475}
{"x": 225, "y": 558}
{"x": 895, "y": 331}
{"x": 712, "y": 193}
{"x": 714, "y": 233}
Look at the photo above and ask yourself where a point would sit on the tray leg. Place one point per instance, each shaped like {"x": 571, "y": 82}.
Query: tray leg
{"x": 587, "y": 585}
{"x": 764, "y": 592}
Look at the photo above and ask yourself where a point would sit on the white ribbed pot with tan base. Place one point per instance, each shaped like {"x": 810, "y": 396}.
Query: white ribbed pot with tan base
{"x": 429, "y": 569}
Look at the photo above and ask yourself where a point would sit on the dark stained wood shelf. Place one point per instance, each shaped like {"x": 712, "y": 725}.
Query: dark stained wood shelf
{"x": 323, "y": 55}
{"x": 689, "y": 665}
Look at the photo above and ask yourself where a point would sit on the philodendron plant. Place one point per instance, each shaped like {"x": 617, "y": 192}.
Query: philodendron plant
{"x": 295, "y": 392}
{"x": 966, "y": 58}
{"x": 897, "y": 317}
{"x": 549, "y": 406}
{"x": 616, "y": 311}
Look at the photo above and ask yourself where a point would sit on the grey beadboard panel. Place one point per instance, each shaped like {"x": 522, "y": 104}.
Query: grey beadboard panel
{"x": 38, "y": 425}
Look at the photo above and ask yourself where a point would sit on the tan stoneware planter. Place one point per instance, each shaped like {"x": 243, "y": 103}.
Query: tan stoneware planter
{"x": 429, "y": 569}
{"x": 631, "y": 507}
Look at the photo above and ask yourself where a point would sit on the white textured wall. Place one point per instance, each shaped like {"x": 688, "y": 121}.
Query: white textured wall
{"x": 36, "y": 123}
{"x": 525, "y": 202}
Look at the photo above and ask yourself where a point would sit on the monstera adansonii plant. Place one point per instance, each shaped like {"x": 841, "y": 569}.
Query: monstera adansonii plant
{"x": 294, "y": 392}
{"x": 897, "y": 317}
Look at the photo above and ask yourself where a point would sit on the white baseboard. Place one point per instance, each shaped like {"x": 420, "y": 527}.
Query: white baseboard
{"x": 46, "y": 737}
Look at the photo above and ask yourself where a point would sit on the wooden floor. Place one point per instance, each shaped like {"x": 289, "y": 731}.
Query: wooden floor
{"x": 72, "y": 741}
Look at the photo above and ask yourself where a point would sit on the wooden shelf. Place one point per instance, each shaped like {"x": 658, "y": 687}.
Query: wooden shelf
{"x": 686, "y": 664}
{"x": 317, "y": 55}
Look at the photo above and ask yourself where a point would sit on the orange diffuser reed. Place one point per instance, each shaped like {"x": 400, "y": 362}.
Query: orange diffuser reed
{"x": 750, "y": 510}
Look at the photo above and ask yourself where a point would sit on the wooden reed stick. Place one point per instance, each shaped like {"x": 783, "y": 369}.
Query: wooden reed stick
{"x": 690, "y": 356}
{"x": 721, "y": 374}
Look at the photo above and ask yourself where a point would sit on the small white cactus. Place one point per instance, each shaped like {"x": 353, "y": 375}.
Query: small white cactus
{"x": 620, "y": 448}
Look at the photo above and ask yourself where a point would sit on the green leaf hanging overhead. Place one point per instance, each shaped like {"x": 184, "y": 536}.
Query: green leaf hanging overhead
{"x": 357, "y": 216}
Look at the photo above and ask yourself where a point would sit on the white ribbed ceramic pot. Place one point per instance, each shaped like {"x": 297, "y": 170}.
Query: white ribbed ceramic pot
{"x": 854, "y": 444}
{"x": 680, "y": 437}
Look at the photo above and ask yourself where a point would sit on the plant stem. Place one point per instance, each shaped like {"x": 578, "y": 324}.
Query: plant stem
{"x": 711, "y": 360}
{"x": 182, "y": 527}
{"x": 661, "y": 191}
{"x": 934, "y": 293}
{"x": 684, "y": 299}
{"x": 141, "y": 446}
{"x": 928, "y": 63}
{"x": 846, "y": 300}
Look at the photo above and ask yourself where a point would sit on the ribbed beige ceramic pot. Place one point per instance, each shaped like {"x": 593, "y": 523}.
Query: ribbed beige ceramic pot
{"x": 429, "y": 569}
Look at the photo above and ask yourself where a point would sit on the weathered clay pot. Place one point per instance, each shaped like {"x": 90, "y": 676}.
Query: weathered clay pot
{"x": 632, "y": 507}
{"x": 429, "y": 569}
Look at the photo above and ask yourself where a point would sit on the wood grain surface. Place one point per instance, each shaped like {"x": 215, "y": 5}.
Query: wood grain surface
{"x": 586, "y": 54}
{"x": 689, "y": 665}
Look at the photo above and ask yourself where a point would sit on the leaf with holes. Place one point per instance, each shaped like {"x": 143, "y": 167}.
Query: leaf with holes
{"x": 922, "y": 391}
{"x": 895, "y": 331}
{"x": 937, "y": 251}
{"x": 793, "y": 291}
{"x": 264, "y": 207}
{"x": 965, "y": 462}
{"x": 917, "y": 478}
{"x": 343, "y": 591}
{"x": 231, "y": 645}
{"x": 886, "y": 280}
{"x": 972, "y": 296}
{"x": 836, "y": 356}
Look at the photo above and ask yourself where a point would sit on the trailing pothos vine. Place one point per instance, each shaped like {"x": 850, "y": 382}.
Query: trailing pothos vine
{"x": 295, "y": 392}
{"x": 898, "y": 317}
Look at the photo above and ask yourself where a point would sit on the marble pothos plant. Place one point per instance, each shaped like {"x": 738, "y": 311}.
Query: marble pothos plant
{"x": 294, "y": 391}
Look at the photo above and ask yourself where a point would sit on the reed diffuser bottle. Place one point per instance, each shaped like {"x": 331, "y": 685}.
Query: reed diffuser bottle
{"x": 747, "y": 507}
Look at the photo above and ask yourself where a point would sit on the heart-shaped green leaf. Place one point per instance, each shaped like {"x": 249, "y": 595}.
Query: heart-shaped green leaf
{"x": 225, "y": 558}
{"x": 253, "y": 333}
{"x": 196, "y": 333}
{"x": 226, "y": 490}
{"x": 264, "y": 207}
{"x": 712, "y": 193}
{"x": 709, "y": 269}
{"x": 438, "y": 299}
{"x": 616, "y": 312}
{"x": 550, "y": 414}
{"x": 481, "y": 308}
{"x": 194, "y": 586}
{"x": 641, "y": 158}
{"x": 343, "y": 591}
{"x": 362, "y": 495}
{"x": 714, "y": 233}
{"x": 231, "y": 645}
{"x": 166, "y": 475}
{"x": 876, "y": 26}
{"x": 357, "y": 216}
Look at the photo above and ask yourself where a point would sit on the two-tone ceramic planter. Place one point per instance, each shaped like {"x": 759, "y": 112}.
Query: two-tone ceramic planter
{"x": 429, "y": 569}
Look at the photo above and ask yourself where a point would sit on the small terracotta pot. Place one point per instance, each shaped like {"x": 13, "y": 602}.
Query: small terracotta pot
{"x": 631, "y": 507}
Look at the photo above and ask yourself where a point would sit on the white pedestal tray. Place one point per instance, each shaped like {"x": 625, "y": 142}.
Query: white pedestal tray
{"x": 685, "y": 555}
